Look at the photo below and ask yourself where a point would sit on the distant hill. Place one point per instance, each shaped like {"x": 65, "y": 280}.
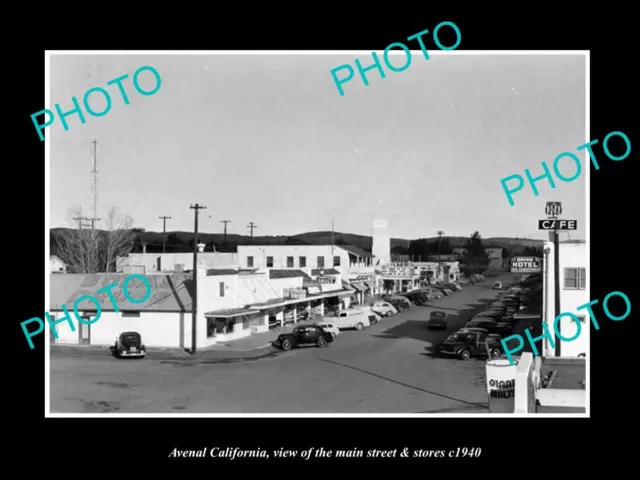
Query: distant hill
{"x": 179, "y": 241}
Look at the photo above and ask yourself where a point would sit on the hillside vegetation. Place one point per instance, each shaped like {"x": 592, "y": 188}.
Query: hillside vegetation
{"x": 176, "y": 242}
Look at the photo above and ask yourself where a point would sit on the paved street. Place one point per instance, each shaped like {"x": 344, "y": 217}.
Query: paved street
{"x": 386, "y": 368}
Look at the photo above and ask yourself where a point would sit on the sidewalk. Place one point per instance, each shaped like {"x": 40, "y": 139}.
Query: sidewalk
{"x": 255, "y": 345}
{"x": 256, "y": 341}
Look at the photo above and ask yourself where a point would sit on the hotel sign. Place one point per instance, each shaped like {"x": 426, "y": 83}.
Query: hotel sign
{"x": 525, "y": 264}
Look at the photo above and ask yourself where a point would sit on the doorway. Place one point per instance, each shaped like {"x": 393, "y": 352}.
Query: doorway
{"x": 84, "y": 331}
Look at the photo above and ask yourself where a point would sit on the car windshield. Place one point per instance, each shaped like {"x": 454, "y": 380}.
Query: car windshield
{"x": 456, "y": 337}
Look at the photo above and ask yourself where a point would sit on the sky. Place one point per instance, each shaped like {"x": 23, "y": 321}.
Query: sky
{"x": 268, "y": 139}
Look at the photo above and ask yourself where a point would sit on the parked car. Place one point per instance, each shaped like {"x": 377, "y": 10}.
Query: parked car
{"x": 434, "y": 292}
{"x": 384, "y": 309}
{"x": 129, "y": 344}
{"x": 418, "y": 298}
{"x": 467, "y": 343}
{"x": 456, "y": 287}
{"x": 490, "y": 325}
{"x": 330, "y": 327}
{"x": 438, "y": 319}
{"x": 303, "y": 335}
{"x": 446, "y": 291}
{"x": 357, "y": 318}
{"x": 497, "y": 285}
{"x": 398, "y": 301}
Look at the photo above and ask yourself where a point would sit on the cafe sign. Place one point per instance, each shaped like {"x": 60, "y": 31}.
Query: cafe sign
{"x": 319, "y": 281}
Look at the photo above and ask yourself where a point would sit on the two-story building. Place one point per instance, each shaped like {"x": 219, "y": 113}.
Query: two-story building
{"x": 354, "y": 264}
{"x": 574, "y": 292}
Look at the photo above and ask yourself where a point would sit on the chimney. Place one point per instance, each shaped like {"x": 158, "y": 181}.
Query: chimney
{"x": 201, "y": 247}
{"x": 144, "y": 248}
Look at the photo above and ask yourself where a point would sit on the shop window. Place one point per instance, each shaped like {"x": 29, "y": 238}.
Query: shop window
{"x": 222, "y": 289}
{"x": 583, "y": 279}
{"x": 250, "y": 262}
{"x": 320, "y": 262}
{"x": 221, "y": 326}
{"x": 289, "y": 262}
{"x": 269, "y": 262}
{"x": 336, "y": 261}
{"x": 211, "y": 327}
{"x": 303, "y": 262}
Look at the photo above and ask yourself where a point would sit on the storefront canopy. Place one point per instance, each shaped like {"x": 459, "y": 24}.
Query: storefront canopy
{"x": 359, "y": 286}
{"x": 231, "y": 312}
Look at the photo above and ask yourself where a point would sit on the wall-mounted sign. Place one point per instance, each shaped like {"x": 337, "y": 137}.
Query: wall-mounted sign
{"x": 294, "y": 293}
{"x": 398, "y": 271}
{"x": 556, "y": 224}
{"x": 525, "y": 264}
{"x": 319, "y": 281}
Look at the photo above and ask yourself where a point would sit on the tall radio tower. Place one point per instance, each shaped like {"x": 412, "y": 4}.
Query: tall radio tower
{"x": 94, "y": 183}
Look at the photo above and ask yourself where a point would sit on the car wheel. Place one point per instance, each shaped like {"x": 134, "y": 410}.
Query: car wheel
{"x": 286, "y": 345}
{"x": 389, "y": 313}
{"x": 322, "y": 342}
{"x": 359, "y": 326}
{"x": 465, "y": 354}
{"x": 495, "y": 353}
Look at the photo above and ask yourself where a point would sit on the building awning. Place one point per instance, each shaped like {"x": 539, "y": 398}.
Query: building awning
{"x": 359, "y": 287}
{"x": 231, "y": 312}
{"x": 369, "y": 284}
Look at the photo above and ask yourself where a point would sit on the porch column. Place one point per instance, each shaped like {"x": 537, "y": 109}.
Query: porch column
{"x": 295, "y": 313}
{"x": 280, "y": 316}
{"x": 321, "y": 308}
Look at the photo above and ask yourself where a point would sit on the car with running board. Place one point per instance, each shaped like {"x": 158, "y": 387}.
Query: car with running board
{"x": 304, "y": 335}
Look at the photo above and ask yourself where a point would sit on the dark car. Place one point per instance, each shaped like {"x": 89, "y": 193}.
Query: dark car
{"x": 129, "y": 344}
{"x": 304, "y": 335}
{"x": 418, "y": 298}
{"x": 471, "y": 342}
{"x": 437, "y": 319}
{"x": 491, "y": 326}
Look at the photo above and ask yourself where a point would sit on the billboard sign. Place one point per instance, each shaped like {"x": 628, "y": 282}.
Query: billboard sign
{"x": 525, "y": 264}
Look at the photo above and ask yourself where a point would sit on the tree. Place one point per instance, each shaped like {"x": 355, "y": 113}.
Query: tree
{"x": 478, "y": 260}
{"x": 87, "y": 250}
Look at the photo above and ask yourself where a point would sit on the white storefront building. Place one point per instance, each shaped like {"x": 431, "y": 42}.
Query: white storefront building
{"x": 574, "y": 292}
{"x": 231, "y": 304}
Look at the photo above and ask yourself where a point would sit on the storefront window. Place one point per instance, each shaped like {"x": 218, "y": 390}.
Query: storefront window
{"x": 211, "y": 327}
{"x": 221, "y": 326}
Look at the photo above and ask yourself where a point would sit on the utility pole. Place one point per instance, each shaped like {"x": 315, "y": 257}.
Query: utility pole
{"x": 251, "y": 226}
{"x": 164, "y": 230}
{"x": 556, "y": 274}
{"x": 94, "y": 182}
{"x": 440, "y": 233}
{"x": 194, "y": 303}
{"x": 225, "y": 228}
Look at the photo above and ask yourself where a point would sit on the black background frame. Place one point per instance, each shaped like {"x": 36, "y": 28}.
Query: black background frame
{"x": 98, "y": 447}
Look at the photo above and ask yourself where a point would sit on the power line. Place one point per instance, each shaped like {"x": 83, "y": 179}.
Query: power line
{"x": 251, "y": 226}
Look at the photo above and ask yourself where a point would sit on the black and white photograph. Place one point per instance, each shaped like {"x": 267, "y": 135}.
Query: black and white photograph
{"x": 244, "y": 233}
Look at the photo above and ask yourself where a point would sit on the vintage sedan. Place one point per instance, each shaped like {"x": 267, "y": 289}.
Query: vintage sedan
{"x": 438, "y": 319}
{"x": 129, "y": 344}
{"x": 304, "y": 335}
